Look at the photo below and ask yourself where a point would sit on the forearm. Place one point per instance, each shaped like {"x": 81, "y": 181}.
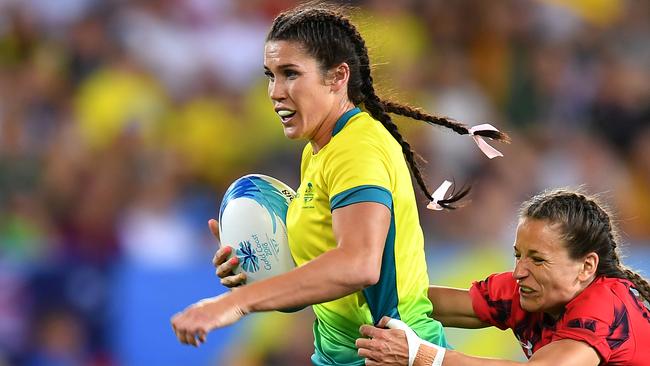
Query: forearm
{"x": 453, "y": 307}
{"x": 332, "y": 275}
{"x": 426, "y": 355}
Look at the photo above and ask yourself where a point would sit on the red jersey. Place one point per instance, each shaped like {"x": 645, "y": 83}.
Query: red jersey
{"x": 608, "y": 315}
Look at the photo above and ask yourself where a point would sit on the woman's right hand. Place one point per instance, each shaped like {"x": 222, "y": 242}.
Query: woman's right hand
{"x": 224, "y": 265}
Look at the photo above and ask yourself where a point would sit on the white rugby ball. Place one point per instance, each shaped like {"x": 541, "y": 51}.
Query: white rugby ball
{"x": 252, "y": 220}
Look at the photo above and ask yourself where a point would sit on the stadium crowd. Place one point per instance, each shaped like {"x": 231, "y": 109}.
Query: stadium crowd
{"x": 123, "y": 122}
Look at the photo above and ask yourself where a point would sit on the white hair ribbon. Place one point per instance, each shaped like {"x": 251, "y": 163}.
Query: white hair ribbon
{"x": 488, "y": 150}
{"x": 438, "y": 195}
{"x": 414, "y": 342}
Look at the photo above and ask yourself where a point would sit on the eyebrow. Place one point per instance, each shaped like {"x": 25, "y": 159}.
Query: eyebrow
{"x": 531, "y": 252}
{"x": 282, "y": 67}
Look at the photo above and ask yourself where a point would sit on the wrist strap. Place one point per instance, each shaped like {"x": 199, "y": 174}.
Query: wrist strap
{"x": 414, "y": 342}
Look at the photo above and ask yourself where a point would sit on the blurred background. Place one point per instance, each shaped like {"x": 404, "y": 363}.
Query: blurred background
{"x": 123, "y": 122}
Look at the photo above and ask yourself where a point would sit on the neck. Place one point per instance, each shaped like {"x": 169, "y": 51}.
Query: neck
{"x": 324, "y": 134}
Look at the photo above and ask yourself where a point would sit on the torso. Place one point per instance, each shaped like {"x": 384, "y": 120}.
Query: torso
{"x": 362, "y": 162}
{"x": 607, "y": 315}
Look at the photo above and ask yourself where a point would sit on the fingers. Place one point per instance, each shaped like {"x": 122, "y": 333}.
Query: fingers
{"x": 234, "y": 281}
{"x": 370, "y": 331}
{"x": 367, "y": 353}
{"x": 225, "y": 269}
{"x": 214, "y": 228}
{"x": 363, "y": 343}
{"x": 383, "y": 323}
{"x": 186, "y": 336}
{"x": 221, "y": 255}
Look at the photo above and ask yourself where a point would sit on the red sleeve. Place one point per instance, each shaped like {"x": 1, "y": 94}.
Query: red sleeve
{"x": 600, "y": 320}
{"x": 492, "y": 299}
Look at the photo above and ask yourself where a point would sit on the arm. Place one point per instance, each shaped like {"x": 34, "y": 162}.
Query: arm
{"x": 391, "y": 347}
{"x": 360, "y": 230}
{"x": 354, "y": 265}
{"x": 566, "y": 352}
{"x": 453, "y": 307}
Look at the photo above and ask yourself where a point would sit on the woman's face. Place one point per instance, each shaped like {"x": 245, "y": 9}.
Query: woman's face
{"x": 548, "y": 279}
{"x": 301, "y": 97}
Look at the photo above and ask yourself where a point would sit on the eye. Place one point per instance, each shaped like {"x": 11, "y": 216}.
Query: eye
{"x": 291, "y": 74}
{"x": 517, "y": 255}
{"x": 268, "y": 74}
{"x": 538, "y": 260}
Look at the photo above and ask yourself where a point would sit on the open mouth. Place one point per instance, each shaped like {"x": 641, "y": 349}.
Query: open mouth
{"x": 285, "y": 114}
{"x": 526, "y": 291}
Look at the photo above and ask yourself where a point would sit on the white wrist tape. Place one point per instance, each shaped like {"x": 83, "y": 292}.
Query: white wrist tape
{"x": 414, "y": 342}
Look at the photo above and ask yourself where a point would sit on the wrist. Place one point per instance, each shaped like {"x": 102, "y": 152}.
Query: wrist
{"x": 425, "y": 356}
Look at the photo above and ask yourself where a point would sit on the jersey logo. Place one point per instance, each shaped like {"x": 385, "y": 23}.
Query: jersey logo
{"x": 309, "y": 193}
{"x": 308, "y": 196}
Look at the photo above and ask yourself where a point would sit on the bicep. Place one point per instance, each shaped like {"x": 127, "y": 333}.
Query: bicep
{"x": 453, "y": 307}
{"x": 565, "y": 352}
{"x": 360, "y": 231}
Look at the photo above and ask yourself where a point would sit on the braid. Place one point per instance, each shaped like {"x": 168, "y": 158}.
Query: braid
{"x": 640, "y": 284}
{"x": 459, "y": 128}
{"x": 377, "y": 109}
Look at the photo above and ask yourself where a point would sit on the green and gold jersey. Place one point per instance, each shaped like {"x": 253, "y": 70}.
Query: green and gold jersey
{"x": 362, "y": 163}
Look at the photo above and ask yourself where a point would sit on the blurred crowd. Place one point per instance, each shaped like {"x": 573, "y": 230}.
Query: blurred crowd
{"x": 123, "y": 122}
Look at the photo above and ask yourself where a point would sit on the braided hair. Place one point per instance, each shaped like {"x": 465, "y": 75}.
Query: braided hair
{"x": 586, "y": 227}
{"x": 331, "y": 38}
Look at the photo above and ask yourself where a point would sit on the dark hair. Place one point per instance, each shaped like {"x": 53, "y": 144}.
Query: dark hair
{"x": 586, "y": 227}
{"x": 329, "y": 36}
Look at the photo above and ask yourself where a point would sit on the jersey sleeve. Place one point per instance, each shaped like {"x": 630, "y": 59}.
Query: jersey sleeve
{"x": 600, "y": 320}
{"x": 358, "y": 172}
{"x": 492, "y": 299}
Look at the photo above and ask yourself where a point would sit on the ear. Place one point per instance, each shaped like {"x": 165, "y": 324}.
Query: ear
{"x": 339, "y": 77}
{"x": 589, "y": 266}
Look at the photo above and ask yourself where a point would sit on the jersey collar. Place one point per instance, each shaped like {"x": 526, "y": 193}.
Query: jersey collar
{"x": 343, "y": 120}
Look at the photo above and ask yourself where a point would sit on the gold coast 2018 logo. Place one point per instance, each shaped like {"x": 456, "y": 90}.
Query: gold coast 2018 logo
{"x": 308, "y": 196}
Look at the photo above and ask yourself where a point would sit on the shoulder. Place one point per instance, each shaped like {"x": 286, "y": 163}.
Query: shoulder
{"x": 499, "y": 285}
{"x": 362, "y": 130}
{"x": 495, "y": 300}
{"x": 599, "y": 316}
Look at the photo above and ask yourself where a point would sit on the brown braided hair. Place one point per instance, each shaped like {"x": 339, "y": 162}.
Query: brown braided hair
{"x": 330, "y": 37}
{"x": 586, "y": 227}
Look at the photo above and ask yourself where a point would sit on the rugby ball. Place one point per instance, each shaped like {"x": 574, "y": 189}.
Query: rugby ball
{"x": 252, "y": 220}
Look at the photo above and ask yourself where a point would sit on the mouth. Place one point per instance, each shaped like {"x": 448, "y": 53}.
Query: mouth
{"x": 526, "y": 291}
{"x": 285, "y": 115}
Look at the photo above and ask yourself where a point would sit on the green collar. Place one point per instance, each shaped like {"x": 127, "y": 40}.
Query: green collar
{"x": 343, "y": 120}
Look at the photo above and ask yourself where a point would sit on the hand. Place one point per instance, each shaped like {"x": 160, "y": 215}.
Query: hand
{"x": 194, "y": 323}
{"x": 383, "y": 346}
{"x": 223, "y": 265}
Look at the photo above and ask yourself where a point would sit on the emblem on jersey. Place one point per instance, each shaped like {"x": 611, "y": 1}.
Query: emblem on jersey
{"x": 309, "y": 193}
{"x": 247, "y": 257}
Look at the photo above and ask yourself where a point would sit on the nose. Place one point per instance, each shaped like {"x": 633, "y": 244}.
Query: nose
{"x": 520, "y": 271}
{"x": 277, "y": 91}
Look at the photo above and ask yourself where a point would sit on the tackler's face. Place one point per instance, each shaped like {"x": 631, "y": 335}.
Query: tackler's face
{"x": 297, "y": 87}
{"x": 548, "y": 278}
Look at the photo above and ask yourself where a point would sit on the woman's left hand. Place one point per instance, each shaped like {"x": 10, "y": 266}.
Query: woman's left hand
{"x": 194, "y": 323}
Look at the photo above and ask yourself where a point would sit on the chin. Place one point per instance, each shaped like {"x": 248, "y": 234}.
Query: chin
{"x": 291, "y": 133}
{"x": 529, "y": 306}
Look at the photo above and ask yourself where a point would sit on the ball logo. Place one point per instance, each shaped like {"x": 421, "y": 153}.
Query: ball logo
{"x": 247, "y": 257}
